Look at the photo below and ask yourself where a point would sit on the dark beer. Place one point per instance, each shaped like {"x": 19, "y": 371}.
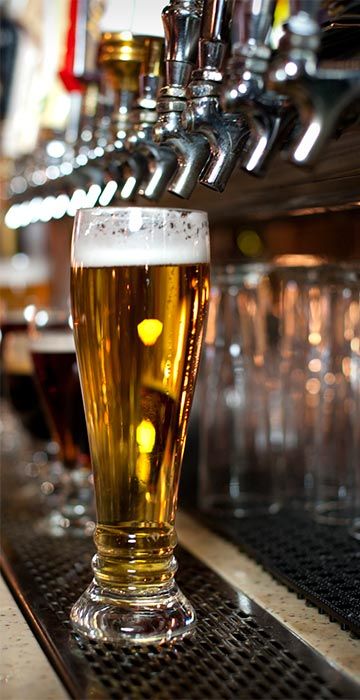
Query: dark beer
{"x": 17, "y": 379}
{"x": 54, "y": 359}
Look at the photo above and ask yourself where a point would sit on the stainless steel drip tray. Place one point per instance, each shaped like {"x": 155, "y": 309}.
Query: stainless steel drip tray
{"x": 238, "y": 650}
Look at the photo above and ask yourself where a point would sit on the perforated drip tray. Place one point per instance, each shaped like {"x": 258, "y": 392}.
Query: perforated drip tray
{"x": 237, "y": 651}
{"x": 319, "y": 562}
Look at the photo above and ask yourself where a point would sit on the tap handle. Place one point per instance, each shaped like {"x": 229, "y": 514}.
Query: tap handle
{"x": 181, "y": 20}
{"x": 252, "y": 21}
{"x": 301, "y": 39}
{"x": 311, "y": 8}
{"x": 214, "y": 33}
{"x": 151, "y": 72}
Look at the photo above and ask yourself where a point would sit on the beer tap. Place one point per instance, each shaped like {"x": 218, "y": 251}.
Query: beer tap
{"x": 161, "y": 160}
{"x": 320, "y": 91}
{"x": 266, "y": 113}
{"x": 121, "y": 55}
{"x": 181, "y": 20}
{"x": 225, "y": 132}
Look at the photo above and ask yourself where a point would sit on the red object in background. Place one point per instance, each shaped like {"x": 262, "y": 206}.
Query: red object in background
{"x": 67, "y": 72}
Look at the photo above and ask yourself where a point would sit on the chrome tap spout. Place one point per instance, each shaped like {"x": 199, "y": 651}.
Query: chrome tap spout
{"x": 321, "y": 92}
{"x": 161, "y": 161}
{"x": 245, "y": 92}
{"x": 203, "y": 116}
{"x": 181, "y": 20}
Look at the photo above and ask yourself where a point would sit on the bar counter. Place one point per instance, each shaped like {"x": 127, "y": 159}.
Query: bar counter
{"x": 26, "y": 671}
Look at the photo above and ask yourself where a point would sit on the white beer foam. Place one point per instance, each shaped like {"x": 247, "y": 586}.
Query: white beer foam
{"x": 140, "y": 236}
{"x": 53, "y": 342}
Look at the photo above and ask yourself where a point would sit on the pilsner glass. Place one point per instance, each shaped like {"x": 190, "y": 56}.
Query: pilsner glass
{"x": 52, "y": 348}
{"x": 140, "y": 286}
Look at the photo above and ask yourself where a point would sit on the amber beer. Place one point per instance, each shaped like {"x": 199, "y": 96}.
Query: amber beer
{"x": 146, "y": 323}
{"x": 139, "y": 288}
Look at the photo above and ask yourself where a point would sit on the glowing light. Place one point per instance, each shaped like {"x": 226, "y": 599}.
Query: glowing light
{"x": 149, "y": 330}
{"x": 17, "y": 216}
{"x": 55, "y": 149}
{"x": 18, "y": 184}
{"x": 355, "y": 344}
{"x": 20, "y": 261}
{"x": 291, "y": 69}
{"x": 108, "y": 193}
{"x": 145, "y": 436}
{"x": 34, "y": 209}
{"x": 307, "y": 142}
{"x": 81, "y": 159}
{"x": 66, "y": 168}
{"x": 346, "y": 366}
{"x": 38, "y": 177}
{"x": 313, "y": 386}
{"x": 315, "y": 365}
{"x": 249, "y": 242}
{"x": 11, "y": 218}
{"x": 77, "y": 201}
{"x": 314, "y": 338}
{"x": 60, "y": 206}
{"x": 258, "y": 151}
{"x": 330, "y": 378}
{"x": 128, "y": 188}
{"x": 52, "y": 172}
{"x": 93, "y": 195}
{"x": 29, "y": 312}
{"x": 234, "y": 350}
{"x": 47, "y": 208}
{"x": 86, "y": 135}
{"x": 41, "y": 318}
{"x": 152, "y": 184}
{"x": 98, "y": 151}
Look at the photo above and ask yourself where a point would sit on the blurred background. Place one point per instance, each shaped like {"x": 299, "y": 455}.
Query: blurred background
{"x": 53, "y": 99}
{"x": 87, "y": 115}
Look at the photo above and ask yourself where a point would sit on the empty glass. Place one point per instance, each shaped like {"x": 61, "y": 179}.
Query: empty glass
{"x": 281, "y": 389}
{"x": 240, "y": 419}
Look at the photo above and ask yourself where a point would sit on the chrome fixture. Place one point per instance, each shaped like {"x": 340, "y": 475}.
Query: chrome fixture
{"x": 182, "y": 19}
{"x": 265, "y": 112}
{"x": 226, "y": 133}
{"x": 320, "y": 91}
{"x": 161, "y": 161}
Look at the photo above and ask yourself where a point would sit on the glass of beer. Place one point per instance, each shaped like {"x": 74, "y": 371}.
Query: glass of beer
{"x": 139, "y": 286}
{"x": 52, "y": 348}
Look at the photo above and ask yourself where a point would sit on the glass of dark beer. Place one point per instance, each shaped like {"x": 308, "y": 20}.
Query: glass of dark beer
{"x": 16, "y": 373}
{"x": 57, "y": 378}
{"x": 140, "y": 286}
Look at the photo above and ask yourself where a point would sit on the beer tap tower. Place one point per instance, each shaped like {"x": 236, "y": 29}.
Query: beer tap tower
{"x": 224, "y": 102}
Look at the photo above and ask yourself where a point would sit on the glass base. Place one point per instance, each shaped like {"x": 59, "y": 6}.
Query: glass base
{"x": 112, "y": 616}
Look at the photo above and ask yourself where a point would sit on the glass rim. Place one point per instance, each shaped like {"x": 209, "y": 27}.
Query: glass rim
{"x": 145, "y": 208}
